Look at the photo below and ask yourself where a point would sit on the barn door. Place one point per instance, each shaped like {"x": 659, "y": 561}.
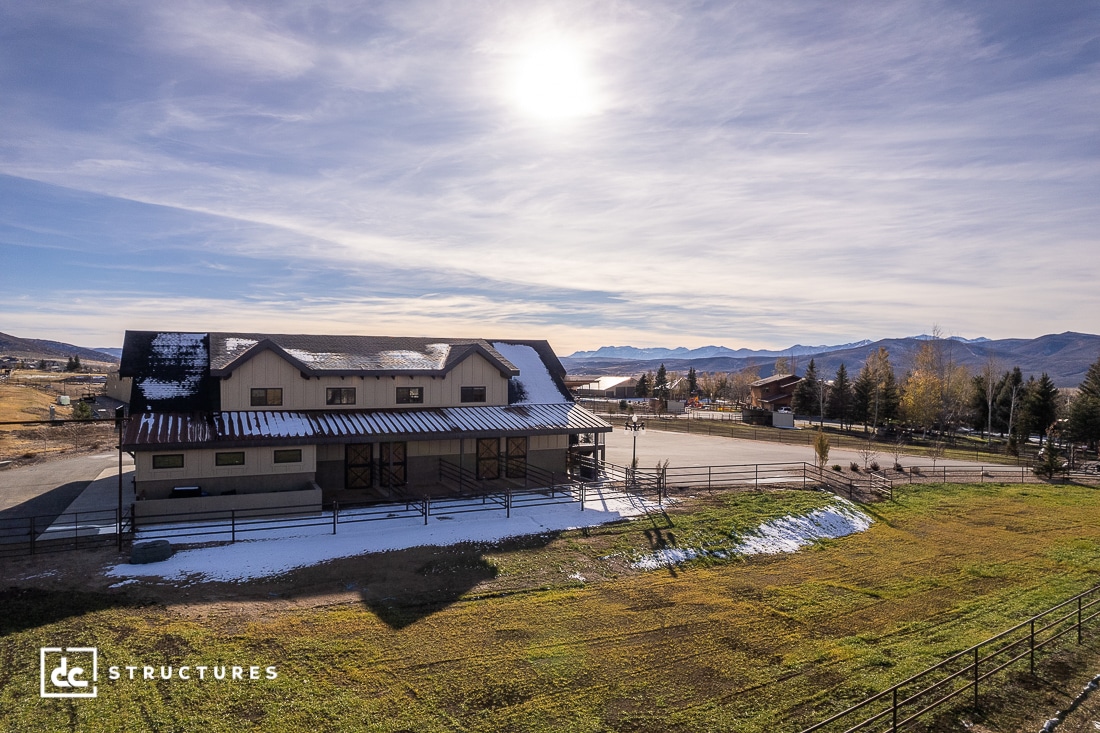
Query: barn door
{"x": 488, "y": 458}
{"x": 358, "y": 466}
{"x": 516, "y": 466}
{"x": 393, "y": 464}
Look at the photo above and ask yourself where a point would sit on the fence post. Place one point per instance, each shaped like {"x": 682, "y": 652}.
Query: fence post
{"x": 1032, "y": 646}
{"x": 427, "y": 508}
{"x": 118, "y": 527}
{"x": 76, "y": 530}
{"x": 583, "y": 487}
{"x": 335, "y": 514}
{"x": 757, "y": 479}
{"x": 508, "y": 503}
{"x": 709, "y": 487}
{"x": 976, "y": 676}
{"x": 232, "y": 526}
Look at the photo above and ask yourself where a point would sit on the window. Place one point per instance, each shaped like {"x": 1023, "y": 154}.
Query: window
{"x": 340, "y": 396}
{"x": 289, "y": 455}
{"x": 267, "y": 396}
{"x": 235, "y": 458}
{"x": 410, "y": 395}
{"x": 473, "y": 394}
{"x": 172, "y": 460}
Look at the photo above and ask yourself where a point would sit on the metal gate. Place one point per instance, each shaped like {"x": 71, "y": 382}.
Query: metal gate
{"x": 393, "y": 464}
{"x": 358, "y": 465}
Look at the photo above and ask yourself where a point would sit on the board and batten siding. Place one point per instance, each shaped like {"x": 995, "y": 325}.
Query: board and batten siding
{"x": 199, "y": 464}
{"x": 269, "y": 370}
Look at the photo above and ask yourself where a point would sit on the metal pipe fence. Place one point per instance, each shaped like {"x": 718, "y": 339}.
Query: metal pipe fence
{"x": 29, "y": 535}
{"x": 962, "y": 674}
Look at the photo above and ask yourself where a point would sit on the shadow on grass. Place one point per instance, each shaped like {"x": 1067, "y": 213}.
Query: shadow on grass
{"x": 405, "y": 586}
{"x": 28, "y": 608}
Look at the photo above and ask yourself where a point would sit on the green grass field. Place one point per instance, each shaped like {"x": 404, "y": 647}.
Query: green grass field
{"x": 512, "y": 639}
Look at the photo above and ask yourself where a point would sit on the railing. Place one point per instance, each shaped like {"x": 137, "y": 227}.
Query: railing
{"x": 70, "y": 531}
{"x": 963, "y": 673}
{"x": 87, "y": 529}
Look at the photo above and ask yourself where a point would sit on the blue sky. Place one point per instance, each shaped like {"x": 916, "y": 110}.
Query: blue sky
{"x": 653, "y": 173}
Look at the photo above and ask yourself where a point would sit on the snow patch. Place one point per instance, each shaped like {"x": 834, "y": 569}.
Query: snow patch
{"x": 273, "y": 552}
{"x": 786, "y": 534}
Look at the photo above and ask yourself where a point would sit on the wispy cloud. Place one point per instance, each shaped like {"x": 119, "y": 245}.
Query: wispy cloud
{"x": 756, "y": 173}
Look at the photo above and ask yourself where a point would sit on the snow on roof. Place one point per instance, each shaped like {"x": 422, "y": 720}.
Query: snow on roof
{"x": 178, "y": 361}
{"x": 786, "y": 534}
{"x": 533, "y": 374}
{"x": 273, "y": 552}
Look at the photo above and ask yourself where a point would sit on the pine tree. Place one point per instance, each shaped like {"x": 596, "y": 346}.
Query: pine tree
{"x": 841, "y": 397}
{"x": 876, "y": 390}
{"x": 641, "y": 389}
{"x": 805, "y": 394}
{"x": 660, "y": 384}
{"x": 692, "y": 382}
{"x": 1040, "y": 405}
{"x": 1090, "y": 387}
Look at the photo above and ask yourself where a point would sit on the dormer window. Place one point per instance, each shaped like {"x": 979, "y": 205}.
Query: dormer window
{"x": 410, "y": 395}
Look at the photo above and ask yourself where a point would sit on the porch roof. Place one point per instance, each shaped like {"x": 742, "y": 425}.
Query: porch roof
{"x": 159, "y": 431}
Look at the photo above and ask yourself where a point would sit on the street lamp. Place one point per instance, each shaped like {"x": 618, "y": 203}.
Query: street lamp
{"x": 635, "y": 427}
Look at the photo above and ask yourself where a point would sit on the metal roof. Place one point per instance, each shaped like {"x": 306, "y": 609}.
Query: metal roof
{"x": 164, "y": 430}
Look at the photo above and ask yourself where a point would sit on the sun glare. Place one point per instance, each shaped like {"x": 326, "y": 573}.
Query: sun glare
{"x": 551, "y": 82}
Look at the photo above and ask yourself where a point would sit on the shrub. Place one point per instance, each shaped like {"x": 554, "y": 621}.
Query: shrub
{"x": 854, "y": 466}
{"x": 899, "y": 468}
{"x": 837, "y": 468}
{"x": 874, "y": 465}
{"x": 915, "y": 469}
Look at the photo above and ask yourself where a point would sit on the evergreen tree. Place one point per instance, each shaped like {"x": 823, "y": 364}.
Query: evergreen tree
{"x": 805, "y": 394}
{"x": 839, "y": 406}
{"x": 1084, "y": 420}
{"x": 641, "y": 389}
{"x": 979, "y": 405}
{"x": 660, "y": 384}
{"x": 1040, "y": 408}
{"x": 692, "y": 382}
{"x": 1091, "y": 386}
{"x": 876, "y": 391}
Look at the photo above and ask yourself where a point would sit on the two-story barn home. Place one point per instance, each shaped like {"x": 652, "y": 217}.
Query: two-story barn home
{"x": 242, "y": 413}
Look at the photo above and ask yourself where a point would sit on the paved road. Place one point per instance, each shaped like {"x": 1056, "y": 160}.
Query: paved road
{"x": 48, "y": 488}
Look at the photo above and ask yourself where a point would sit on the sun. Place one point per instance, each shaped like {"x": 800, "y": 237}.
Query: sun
{"x": 550, "y": 81}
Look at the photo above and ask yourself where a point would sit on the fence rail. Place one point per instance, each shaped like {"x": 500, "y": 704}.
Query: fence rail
{"x": 963, "y": 673}
{"x": 29, "y": 535}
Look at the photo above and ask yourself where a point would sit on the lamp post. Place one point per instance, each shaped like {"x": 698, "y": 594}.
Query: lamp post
{"x": 634, "y": 427}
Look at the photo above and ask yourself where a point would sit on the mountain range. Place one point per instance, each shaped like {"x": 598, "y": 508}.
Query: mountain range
{"x": 1065, "y": 357}
{"x": 37, "y": 349}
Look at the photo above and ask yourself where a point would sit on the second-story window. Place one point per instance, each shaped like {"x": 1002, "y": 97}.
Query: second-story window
{"x": 340, "y": 395}
{"x": 267, "y": 396}
{"x": 473, "y": 394}
{"x": 410, "y": 395}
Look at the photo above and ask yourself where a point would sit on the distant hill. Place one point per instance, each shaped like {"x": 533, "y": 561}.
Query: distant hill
{"x": 36, "y": 349}
{"x": 1065, "y": 357}
{"x": 703, "y": 352}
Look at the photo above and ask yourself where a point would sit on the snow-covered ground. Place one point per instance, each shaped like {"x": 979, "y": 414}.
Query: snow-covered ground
{"x": 277, "y": 551}
{"x": 786, "y": 534}
{"x": 273, "y": 552}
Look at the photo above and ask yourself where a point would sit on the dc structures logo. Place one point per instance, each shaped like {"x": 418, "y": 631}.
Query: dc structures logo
{"x": 69, "y": 671}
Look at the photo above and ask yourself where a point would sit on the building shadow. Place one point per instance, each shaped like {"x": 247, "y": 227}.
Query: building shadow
{"x": 405, "y": 586}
